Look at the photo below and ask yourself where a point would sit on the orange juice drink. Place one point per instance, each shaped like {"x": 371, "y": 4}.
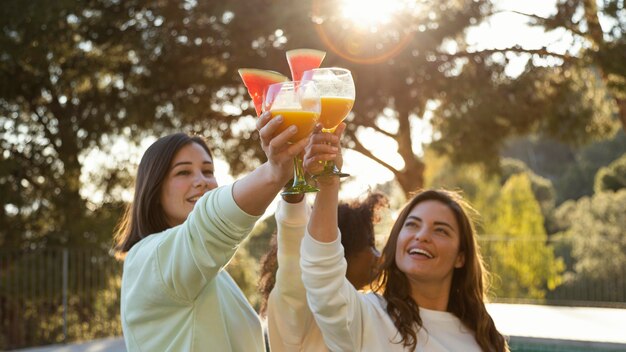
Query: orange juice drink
{"x": 304, "y": 120}
{"x": 334, "y": 111}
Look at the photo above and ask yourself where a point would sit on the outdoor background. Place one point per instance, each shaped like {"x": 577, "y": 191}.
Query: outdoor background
{"x": 519, "y": 104}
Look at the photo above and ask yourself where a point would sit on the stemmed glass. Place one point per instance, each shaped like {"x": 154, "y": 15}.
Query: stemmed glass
{"x": 298, "y": 102}
{"x": 336, "y": 89}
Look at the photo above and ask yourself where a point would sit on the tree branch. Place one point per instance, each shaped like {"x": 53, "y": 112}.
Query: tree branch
{"x": 358, "y": 147}
{"x": 376, "y": 128}
{"x": 574, "y": 30}
{"x": 516, "y": 49}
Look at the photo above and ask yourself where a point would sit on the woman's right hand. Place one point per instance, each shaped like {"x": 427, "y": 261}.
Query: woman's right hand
{"x": 279, "y": 152}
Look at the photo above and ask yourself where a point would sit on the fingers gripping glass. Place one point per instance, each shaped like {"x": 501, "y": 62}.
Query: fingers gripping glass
{"x": 336, "y": 89}
{"x": 299, "y": 104}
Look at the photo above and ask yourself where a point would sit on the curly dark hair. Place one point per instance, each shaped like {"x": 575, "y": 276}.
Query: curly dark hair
{"x": 356, "y": 220}
{"x": 468, "y": 290}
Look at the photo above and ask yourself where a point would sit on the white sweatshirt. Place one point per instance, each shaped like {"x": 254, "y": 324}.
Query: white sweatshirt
{"x": 351, "y": 321}
{"x": 176, "y": 295}
{"x": 290, "y": 323}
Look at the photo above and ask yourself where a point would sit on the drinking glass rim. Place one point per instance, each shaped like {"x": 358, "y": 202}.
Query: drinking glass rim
{"x": 344, "y": 71}
{"x": 276, "y": 88}
{"x": 292, "y": 83}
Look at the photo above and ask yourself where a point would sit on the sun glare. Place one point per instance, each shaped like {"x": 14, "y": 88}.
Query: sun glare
{"x": 370, "y": 13}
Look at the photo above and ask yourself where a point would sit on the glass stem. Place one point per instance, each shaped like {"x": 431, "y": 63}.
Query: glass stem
{"x": 298, "y": 171}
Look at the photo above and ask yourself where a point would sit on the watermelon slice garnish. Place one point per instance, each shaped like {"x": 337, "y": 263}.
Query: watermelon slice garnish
{"x": 301, "y": 60}
{"x": 257, "y": 82}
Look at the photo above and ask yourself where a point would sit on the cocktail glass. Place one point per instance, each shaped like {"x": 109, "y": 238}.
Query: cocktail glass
{"x": 337, "y": 93}
{"x": 298, "y": 102}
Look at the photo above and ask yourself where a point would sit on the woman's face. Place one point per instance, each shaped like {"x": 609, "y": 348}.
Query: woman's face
{"x": 362, "y": 266}
{"x": 428, "y": 244}
{"x": 190, "y": 176}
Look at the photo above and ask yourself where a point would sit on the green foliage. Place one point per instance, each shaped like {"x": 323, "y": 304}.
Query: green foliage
{"x": 593, "y": 240}
{"x": 571, "y": 169}
{"x": 31, "y": 292}
{"x": 542, "y": 187}
{"x": 258, "y": 242}
{"x": 519, "y": 254}
{"x": 597, "y": 232}
{"x": 611, "y": 177}
{"x": 566, "y": 103}
{"x": 244, "y": 270}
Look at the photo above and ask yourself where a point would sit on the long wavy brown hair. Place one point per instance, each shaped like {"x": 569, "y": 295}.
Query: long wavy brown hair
{"x": 467, "y": 293}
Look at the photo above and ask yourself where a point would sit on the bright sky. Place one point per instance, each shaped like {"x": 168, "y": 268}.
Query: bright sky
{"x": 502, "y": 30}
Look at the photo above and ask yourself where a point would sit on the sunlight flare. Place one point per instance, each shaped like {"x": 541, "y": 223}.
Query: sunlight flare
{"x": 370, "y": 13}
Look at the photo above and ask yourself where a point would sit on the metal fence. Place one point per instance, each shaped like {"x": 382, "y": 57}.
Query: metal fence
{"x": 58, "y": 295}
{"x": 68, "y": 295}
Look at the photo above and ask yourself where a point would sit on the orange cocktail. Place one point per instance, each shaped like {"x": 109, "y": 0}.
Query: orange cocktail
{"x": 304, "y": 120}
{"x": 299, "y": 105}
{"x": 337, "y": 93}
{"x": 334, "y": 111}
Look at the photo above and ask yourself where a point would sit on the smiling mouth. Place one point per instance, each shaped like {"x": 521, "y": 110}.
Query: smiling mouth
{"x": 418, "y": 251}
{"x": 193, "y": 199}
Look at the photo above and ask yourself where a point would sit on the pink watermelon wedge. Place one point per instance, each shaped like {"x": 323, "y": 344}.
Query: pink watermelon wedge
{"x": 257, "y": 81}
{"x": 301, "y": 60}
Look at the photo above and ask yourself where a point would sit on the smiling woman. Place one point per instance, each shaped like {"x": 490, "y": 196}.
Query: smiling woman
{"x": 430, "y": 291}
{"x": 179, "y": 233}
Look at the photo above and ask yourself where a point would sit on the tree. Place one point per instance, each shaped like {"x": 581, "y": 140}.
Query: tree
{"x": 606, "y": 50}
{"x": 93, "y": 72}
{"x": 597, "y": 230}
{"x": 571, "y": 169}
{"x": 77, "y": 77}
{"x": 567, "y": 101}
{"x": 611, "y": 177}
{"x": 592, "y": 237}
{"x": 519, "y": 254}
{"x": 475, "y": 106}
{"x": 541, "y": 187}
{"x": 82, "y": 75}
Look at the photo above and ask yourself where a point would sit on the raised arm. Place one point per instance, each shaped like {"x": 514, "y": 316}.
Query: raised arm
{"x": 255, "y": 192}
{"x": 334, "y": 302}
{"x": 192, "y": 254}
{"x": 324, "y": 147}
{"x": 289, "y": 316}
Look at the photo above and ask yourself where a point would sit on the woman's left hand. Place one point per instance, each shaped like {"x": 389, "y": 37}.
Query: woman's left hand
{"x": 323, "y": 147}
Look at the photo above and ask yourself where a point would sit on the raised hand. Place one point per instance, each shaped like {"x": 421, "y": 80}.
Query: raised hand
{"x": 323, "y": 147}
{"x": 279, "y": 152}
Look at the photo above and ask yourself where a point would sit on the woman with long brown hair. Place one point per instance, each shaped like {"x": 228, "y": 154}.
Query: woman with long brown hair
{"x": 179, "y": 233}
{"x": 431, "y": 289}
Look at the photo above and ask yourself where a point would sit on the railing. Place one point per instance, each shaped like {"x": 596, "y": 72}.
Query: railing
{"x": 69, "y": 295}
{"x": 58, "y": 295}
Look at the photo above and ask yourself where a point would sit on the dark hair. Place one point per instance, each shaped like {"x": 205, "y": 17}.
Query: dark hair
{"x": 356, "y": 220}
{"x": 267, "y": 280}
{"x": 145, "y": 216}
{"x": 356, "y": 223}
{"x": 468, "y": 290}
